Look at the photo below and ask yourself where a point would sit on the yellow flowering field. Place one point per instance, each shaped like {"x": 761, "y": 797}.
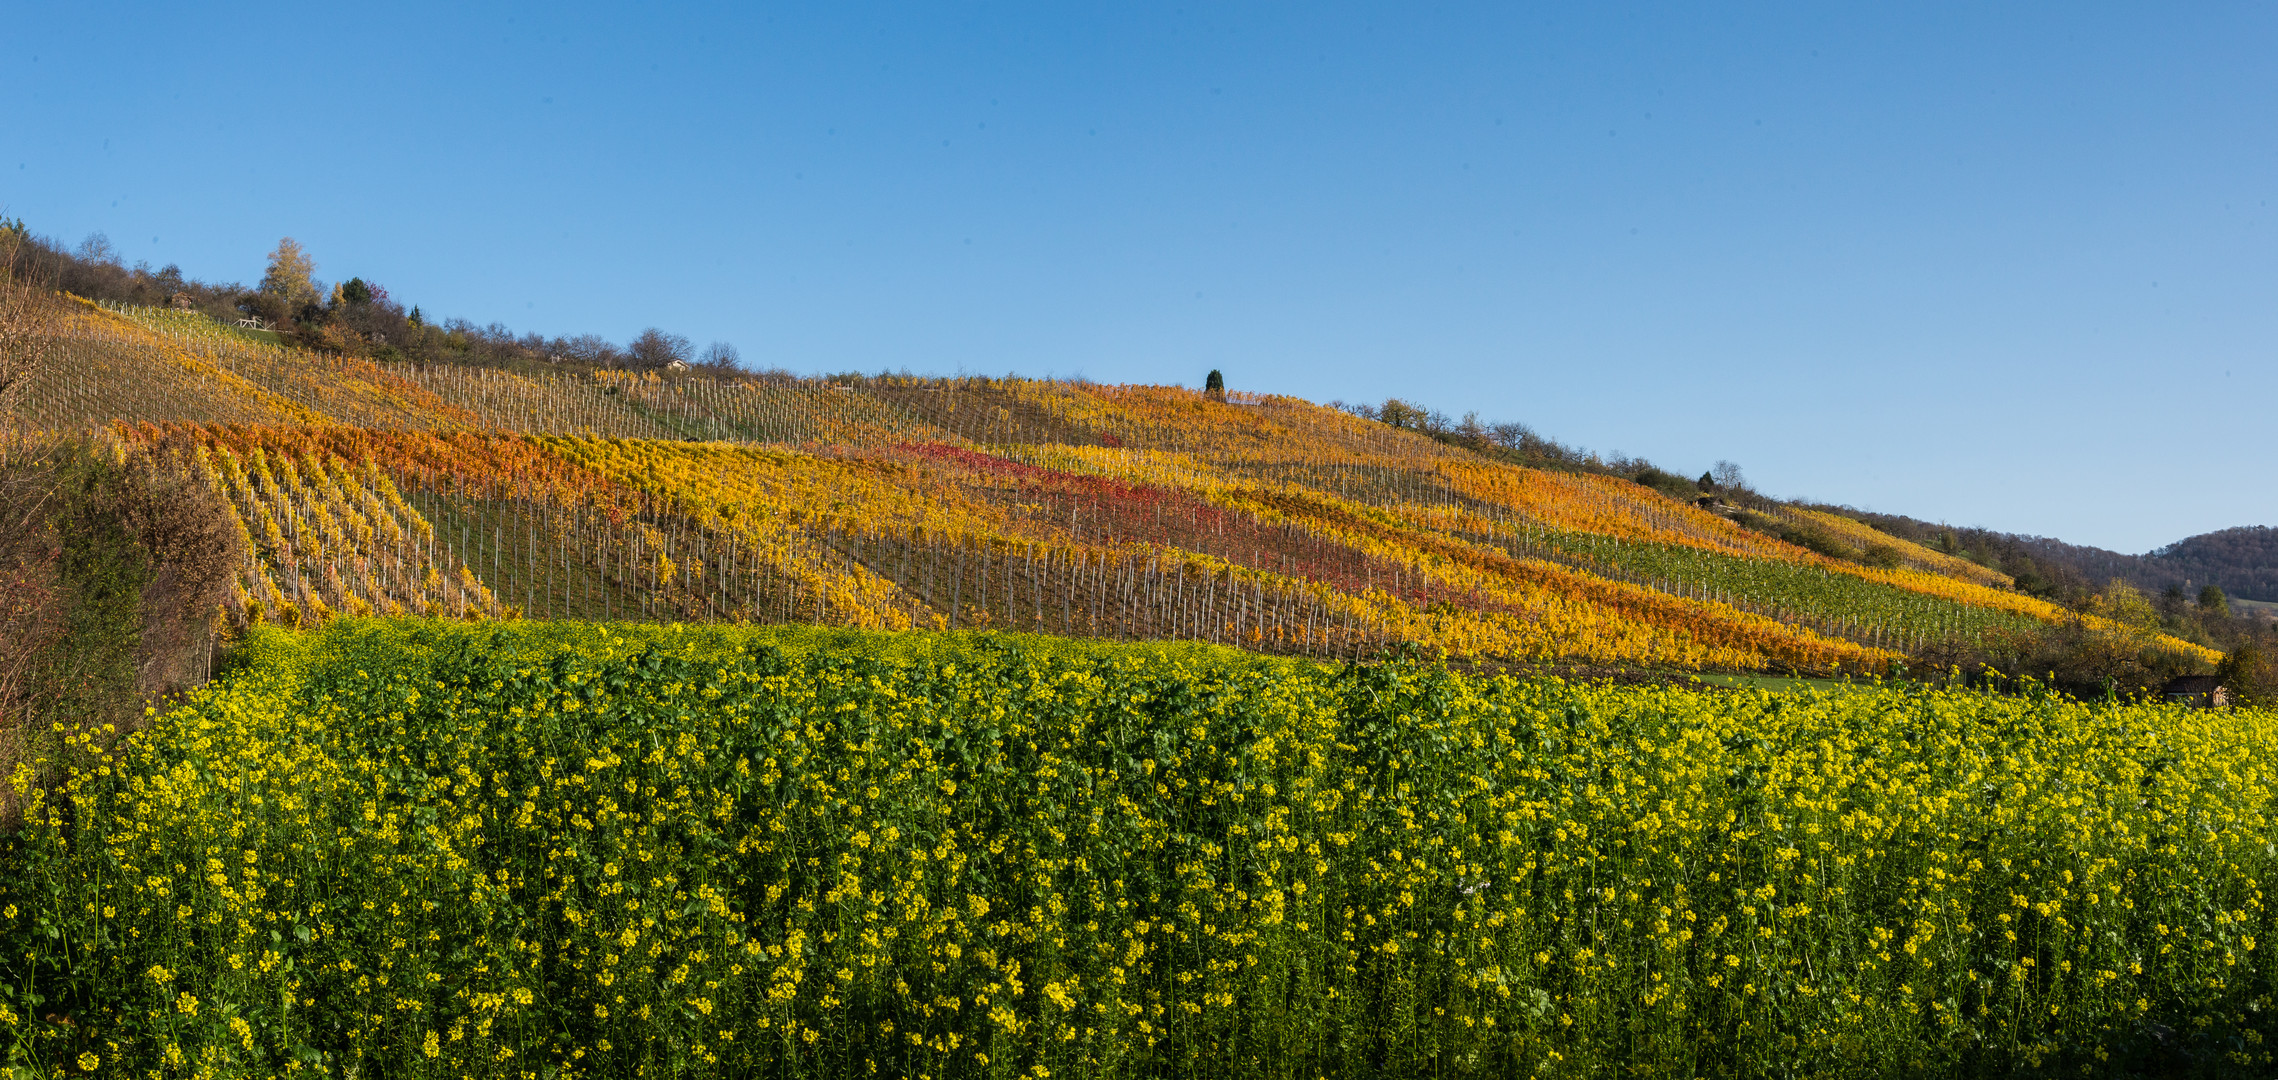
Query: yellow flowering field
{"x": 402, "y": 848}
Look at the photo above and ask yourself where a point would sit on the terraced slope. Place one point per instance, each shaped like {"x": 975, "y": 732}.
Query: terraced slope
{"x": 1112, "y": 511}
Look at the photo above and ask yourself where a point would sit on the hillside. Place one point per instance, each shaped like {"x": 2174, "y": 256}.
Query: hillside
{"x": 1111, "y": 511}
{"x": 2241, "y": 561}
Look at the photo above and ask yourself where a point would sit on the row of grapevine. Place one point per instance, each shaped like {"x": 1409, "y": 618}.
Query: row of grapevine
{"x": 326, "y": 538}
{"x": 300, "y": 385}
{"x": 321, "y": 538}
{"x": 1864, "y": 537}
{"x": 667, "y": 497}
{"x": 650, "y": 406}
{"x": 98, "y": 369}
{"x": 568, "y": 528}
{"x": 1829, "y": 602}
{"x": 480, "y": 533}
{"x": 1507, "y": 609}
{"x": 1624, "y": 532}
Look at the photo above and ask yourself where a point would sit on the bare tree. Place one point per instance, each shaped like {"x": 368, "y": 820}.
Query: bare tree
{"x": 585, "y": 349}
{"x": 1472, "y": 431}
{"x": 97, "y": 248}
{"x": 1509, "y": 435}
{"x": 720, "y": 358}
{"x": 656, "y": 349}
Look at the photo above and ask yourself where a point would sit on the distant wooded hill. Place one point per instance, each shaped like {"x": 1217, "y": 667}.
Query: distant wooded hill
{"x": 2242, "y": 561}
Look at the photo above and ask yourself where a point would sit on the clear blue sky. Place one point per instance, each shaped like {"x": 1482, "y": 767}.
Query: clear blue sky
{"x": 2012, "y": 267}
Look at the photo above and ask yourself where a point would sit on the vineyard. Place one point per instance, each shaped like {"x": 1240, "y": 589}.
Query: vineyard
{"x": 614, "y": 725}
{"x": 431, "y": 849}
{"x": 1124, "y": 513}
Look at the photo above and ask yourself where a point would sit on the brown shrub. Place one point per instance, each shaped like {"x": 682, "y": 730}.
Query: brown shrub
{"x": 115, "y": 562}
{"x": 2074, "y": 657}
{"x": 30, "y": 610}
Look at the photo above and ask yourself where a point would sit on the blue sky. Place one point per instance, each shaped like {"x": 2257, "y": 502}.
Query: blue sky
{"x": 2010, "y": 267}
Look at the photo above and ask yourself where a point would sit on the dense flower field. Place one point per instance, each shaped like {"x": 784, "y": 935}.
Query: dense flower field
{"x": 410, "y": 849}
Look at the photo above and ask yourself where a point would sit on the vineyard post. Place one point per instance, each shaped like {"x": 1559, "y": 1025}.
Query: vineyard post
{"x": 1178, "y": 624}
{"x": 731, "y": 565}
{"x": 957, "y": 583}
{"x": 1076, "y": 573}
{"x": 1259, "y": 606}
{"x": 1218, "y": 619}
{"x": 981, "y": 560}
{"x": 1129, "y": 590}
{"x": 1240, "y": 600}
{"x": 1111, "y": 598}
{"x": 1111, "y": 595}
{"x": 497, "y": 539}
{"x": 594, "y": 537}
{"x": 1097, "y": 594}
{"x": 822, "y": 594}
{"x": 1037, "y": 584}
{"x": 1152, "y": 585}
{"x": 932, "y": 558}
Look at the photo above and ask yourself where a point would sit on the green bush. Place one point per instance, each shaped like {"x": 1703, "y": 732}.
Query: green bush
{"x": 1800, "y": 534}
{"x": 2250, "y": 672}
{"x": 1676, "y": 487}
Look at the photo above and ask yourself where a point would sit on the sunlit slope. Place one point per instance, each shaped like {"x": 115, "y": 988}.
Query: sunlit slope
{"x": 106, "y": 366}
{"x": 161, "y": 365}
{"x": 1118, "y": 511}
{"x": 1604, "y": 526}
{"x": 935, "y": 535}
{"x": 353, "y": 520}
{"x": 1864, "y": 538}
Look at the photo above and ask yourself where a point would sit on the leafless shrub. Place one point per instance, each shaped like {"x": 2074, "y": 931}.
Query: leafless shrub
{"x": 113, "y": 565}
{"x": 185, "y": 533}
{"x": 32, "y": 612}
